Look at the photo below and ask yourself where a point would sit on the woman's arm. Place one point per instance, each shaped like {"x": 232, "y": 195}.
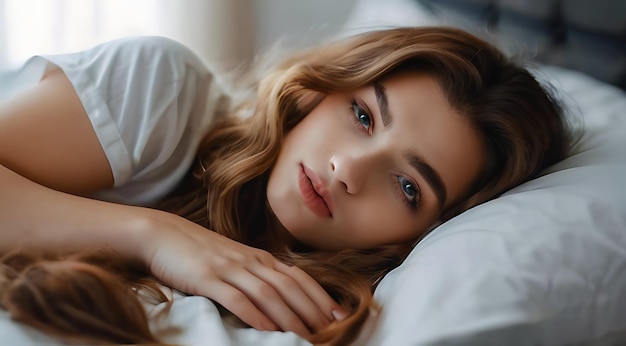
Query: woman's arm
{"x": 50, "y": 156}
{"x": 47, "y": 144}
{"x": 46, "y": 136}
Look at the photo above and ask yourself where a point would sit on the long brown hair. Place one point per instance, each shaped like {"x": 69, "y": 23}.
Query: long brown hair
{"x": 520, "y": 124}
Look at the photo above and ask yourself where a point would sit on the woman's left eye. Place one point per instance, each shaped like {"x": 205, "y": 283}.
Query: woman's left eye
{"x": 410, "y": 191}
{"x": 362, "y": 117}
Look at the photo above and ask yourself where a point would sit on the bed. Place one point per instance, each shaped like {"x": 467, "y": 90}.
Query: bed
{"x": 544, "y": 264}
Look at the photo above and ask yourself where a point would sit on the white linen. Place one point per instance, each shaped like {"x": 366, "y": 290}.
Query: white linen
{"x": 200, "y": 323}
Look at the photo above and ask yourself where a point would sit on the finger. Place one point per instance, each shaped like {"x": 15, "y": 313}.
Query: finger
{"x": 327, "y": 305}
{"x": 265, "y": 297}
{"x": 241, "y": 306}
{"x": 314, "y": 291}
{"x": 294, "y": 296}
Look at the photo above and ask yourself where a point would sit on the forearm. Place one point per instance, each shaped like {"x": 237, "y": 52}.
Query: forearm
{"x": 37, "y": 218}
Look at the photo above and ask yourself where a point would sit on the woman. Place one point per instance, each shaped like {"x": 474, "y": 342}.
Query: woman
{"x": 352, "y": 152}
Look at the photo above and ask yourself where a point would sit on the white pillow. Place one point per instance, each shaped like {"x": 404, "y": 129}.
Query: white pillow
{"x": 544, "y": 264}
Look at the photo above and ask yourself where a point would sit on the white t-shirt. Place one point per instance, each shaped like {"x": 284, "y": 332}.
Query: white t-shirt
{"x": 149, "y": 99}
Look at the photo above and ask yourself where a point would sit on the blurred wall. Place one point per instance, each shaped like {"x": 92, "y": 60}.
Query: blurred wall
{"x": 225, "y": 32}
{"x": 3, "y": 35}
{"x": 228, "y": 33}
{"x": 300, "y": 22}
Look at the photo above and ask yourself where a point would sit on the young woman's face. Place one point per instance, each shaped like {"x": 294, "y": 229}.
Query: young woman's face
{"x": 374, "y": 166}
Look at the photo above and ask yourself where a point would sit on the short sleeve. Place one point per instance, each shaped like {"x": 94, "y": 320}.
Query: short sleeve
{"x": 150, "y": 100}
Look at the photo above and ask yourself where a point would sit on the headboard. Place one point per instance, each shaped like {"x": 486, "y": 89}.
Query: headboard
{"x": 588, "y": 36}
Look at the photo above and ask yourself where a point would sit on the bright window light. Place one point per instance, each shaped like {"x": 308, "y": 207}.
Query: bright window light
{"x": 29, "y": 27}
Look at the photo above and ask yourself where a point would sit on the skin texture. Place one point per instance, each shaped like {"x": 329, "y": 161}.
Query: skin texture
{"x": 360, "y": 165}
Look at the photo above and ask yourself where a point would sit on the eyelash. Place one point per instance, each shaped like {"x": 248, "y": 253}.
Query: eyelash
{"x": 414, "y": 203}
{"x": 358, "y": 110}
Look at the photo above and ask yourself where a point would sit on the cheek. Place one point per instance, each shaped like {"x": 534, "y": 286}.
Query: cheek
{"x": 381, "y": 220}
{"x": 322, "y": 119}
{"x": 314, "y": 136}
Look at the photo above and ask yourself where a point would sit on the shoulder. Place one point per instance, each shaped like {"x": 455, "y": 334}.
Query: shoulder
{"x": 152, "y": 47}
{"x": 161, "y": 56}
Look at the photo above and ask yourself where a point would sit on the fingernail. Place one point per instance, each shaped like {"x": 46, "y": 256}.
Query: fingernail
{"x": 339, "y": 315}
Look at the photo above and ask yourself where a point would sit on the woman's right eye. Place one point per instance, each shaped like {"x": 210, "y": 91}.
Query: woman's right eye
{"x": 362, "y": 119}
{"x": 410, "y": 192}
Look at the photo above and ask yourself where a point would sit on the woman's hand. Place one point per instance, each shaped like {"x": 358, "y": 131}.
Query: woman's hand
{"x": 251, "y": 283}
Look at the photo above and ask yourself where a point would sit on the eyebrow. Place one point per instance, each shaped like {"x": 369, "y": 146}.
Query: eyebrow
{"x": 383, "y": 105}
{"x": 431, "y": 176}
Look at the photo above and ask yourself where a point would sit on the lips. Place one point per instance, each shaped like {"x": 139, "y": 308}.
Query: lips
{"x": 314, "y": 193}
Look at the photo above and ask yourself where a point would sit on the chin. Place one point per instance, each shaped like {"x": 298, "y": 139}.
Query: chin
{"x": 291, "y": 227}
{"x": 296, "y": 226}
{"x": 294, "y": 230}
{"x": 285, "y": 220}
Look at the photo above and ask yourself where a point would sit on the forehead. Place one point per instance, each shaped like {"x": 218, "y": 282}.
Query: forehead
{"x": 425, "y": 123}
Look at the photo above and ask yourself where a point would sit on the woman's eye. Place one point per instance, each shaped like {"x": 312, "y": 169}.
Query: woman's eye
{"x": 362, "y": 117}
{"x": 410, "y": 191}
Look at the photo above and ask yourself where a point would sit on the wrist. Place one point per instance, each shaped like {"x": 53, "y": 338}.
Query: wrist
{"x": 149, "y": 229}
{"x": 142, "y": 235}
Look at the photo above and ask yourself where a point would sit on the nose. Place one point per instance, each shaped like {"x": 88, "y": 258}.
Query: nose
{"x": 352, "y": 171}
